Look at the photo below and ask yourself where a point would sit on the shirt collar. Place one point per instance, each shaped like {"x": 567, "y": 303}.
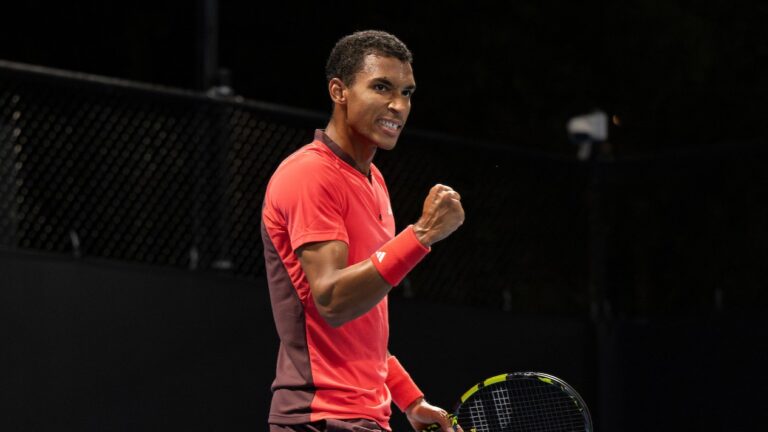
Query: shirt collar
{"x": 321, "y": 136}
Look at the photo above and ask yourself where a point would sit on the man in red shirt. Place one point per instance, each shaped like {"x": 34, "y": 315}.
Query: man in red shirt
{"x": 332, "y": 255}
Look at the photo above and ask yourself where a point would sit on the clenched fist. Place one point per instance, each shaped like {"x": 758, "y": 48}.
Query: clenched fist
{"x": 442, "y": 215}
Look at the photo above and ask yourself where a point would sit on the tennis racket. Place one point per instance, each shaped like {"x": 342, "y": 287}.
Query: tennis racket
{"x": 521, "y": 401}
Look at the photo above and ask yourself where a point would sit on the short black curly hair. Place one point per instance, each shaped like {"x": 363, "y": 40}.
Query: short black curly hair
{"x": 348, "y": 55}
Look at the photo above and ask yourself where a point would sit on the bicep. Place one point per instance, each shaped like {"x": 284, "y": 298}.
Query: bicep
{"x": 321, "y": 260}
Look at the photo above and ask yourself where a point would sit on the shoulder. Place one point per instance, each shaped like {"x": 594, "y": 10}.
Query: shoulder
{"x": 307, "y": 174}
{"x": 309, "y": 163}
{"x": 311, "y": 156}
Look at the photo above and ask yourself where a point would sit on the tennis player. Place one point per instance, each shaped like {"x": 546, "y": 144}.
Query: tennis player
{"x": 332, "y": 254}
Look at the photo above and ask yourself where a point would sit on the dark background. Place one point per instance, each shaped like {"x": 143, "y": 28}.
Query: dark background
{"x": 639, "y": 278}
{"x": 676, "y": 73}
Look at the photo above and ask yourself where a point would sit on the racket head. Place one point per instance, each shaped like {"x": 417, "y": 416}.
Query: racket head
{"x": 521, "y": 402}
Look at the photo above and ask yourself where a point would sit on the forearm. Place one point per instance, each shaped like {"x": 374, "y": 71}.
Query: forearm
{"x": 405, "y": 392}
{"x": 345, "y": 294}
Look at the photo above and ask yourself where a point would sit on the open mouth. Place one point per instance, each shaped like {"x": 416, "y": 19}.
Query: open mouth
{"x": 390, "y": 125}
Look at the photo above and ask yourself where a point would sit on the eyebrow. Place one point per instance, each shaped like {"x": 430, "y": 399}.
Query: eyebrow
{"x": 386, "y": 81}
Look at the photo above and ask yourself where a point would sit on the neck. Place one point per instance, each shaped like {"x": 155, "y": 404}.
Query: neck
{"x": 361, "y": 152}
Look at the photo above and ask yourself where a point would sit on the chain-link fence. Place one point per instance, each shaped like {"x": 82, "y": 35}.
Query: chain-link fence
{"x": 92, "y": 167}
{"x": 100, "y": 169}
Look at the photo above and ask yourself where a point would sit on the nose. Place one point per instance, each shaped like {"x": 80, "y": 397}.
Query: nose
{"x": 400, "y": 104}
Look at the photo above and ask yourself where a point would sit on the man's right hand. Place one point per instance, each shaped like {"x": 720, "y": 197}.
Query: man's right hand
{"x": 441, "y": 216}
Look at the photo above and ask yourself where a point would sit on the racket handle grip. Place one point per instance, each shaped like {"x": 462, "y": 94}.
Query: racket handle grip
{"x": 434, "y": 427}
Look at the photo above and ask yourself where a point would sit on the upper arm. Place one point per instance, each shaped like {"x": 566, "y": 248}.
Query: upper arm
{"x": 319, "y": 261}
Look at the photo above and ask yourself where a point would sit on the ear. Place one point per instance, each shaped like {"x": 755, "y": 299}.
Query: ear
{"x": 338, "y": 91}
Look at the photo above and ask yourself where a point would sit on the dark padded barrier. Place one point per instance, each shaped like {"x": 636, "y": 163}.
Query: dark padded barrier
{"x": 108, "y": 346}
{"x": 93, "y": 345}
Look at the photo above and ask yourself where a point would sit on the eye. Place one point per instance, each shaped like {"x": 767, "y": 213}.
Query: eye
{"x": 380, "y": 87}
{"x": 407, "y": 92}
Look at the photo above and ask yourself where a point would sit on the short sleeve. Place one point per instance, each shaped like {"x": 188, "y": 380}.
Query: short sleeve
{"x": 310, "y": 206}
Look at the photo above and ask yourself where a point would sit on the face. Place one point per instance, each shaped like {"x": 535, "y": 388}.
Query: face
{"x": 379, "y": 101}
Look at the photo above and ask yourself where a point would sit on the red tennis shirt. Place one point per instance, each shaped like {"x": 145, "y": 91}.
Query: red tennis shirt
{"x": 317, "y": 195}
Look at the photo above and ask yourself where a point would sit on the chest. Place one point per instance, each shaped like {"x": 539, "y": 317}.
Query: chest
{"x": 368, "y": 217}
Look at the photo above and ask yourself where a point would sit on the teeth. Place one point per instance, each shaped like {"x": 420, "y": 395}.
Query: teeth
{"x": 390, "y": 124}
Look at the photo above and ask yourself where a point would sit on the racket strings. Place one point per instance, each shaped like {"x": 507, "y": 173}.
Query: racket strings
{"x": 521, "y": 405}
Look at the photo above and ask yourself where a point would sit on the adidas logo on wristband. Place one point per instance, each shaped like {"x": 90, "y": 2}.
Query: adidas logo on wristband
{"x": 380, "y": 256}
{"x": 405, "y": 250}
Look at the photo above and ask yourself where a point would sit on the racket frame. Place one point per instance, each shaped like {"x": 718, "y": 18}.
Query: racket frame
{"x": 543, "y": 377}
